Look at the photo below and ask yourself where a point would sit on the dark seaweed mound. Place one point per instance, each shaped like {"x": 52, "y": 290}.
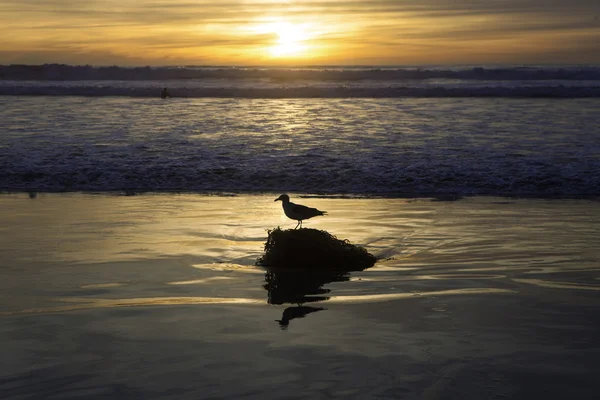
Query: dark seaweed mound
{"x": 313, "y": 248}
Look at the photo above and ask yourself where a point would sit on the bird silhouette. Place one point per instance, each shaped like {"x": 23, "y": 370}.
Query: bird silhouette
{"x": 297, "y": 211}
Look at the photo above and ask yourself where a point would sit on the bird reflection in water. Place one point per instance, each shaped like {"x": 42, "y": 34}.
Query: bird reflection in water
{"x": 296, "y": 312}
{"x": 299, "y": 286}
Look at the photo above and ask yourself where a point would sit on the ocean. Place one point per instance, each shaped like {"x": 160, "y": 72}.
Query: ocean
{"x": 308, "y": 82}
{"x": 255, "y": 130}
{"x": 131, "y": 226}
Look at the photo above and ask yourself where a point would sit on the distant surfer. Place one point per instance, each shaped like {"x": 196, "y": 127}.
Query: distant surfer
{"x": 165, "y": 94}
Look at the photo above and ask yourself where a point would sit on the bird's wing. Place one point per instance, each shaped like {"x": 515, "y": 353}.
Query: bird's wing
{"x": 303, "y": 210}
{"x": 297, "y": 208}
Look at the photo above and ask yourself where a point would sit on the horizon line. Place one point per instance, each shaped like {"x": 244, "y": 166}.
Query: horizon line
{"x": 240, "y": 66}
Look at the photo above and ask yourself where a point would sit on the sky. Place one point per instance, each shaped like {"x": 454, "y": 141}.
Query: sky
{"x": 299, "y": 32}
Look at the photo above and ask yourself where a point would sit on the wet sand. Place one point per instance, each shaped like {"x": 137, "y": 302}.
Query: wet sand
{"x": 157, "y": 296}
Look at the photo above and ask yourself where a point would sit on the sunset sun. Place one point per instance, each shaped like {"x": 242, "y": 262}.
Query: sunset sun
{"x": 290, "y": 39}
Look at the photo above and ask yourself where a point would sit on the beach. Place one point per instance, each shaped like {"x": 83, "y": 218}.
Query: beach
{"x": 157, "y": 295}
{"x": 131, "y": 228}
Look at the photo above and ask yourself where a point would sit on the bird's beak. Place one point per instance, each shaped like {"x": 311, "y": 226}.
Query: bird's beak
{"x": 279, "y": 198}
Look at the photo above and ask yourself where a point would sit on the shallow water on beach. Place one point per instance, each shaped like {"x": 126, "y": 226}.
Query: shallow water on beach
{"x": 157, "y": 296}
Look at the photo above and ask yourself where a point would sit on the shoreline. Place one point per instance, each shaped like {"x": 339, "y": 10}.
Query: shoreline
{"x": 349, "y": 196}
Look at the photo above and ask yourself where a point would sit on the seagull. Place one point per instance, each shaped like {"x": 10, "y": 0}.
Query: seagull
{"x": 297, "y": 211}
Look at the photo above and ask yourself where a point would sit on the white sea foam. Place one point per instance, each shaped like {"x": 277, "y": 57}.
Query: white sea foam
{"x": 70, "y": 73}
{"x": 513, "y": 147}
{"x": 332, "y": 82}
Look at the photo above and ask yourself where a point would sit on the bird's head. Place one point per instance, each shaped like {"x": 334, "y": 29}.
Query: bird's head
{"x": 284, "y": 197}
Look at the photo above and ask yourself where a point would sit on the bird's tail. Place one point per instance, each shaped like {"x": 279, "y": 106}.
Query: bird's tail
{"x": 323, "y": 212}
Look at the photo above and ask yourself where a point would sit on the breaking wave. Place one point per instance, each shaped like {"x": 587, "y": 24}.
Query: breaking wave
{"x": 88, "y": 73}
{"x": 406, "y": 147}
{"x": 322, "y": 82}
{"x": 527, "y": 178}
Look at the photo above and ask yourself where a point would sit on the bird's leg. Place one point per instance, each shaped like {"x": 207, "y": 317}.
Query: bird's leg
{"x": 299, "y": 222}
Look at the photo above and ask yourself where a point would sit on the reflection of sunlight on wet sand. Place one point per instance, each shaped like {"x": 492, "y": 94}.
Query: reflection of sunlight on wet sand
{"x": 558, "y": 270}
{"x": 199, "y": 281}
{"x": 81, "y": 303}
{"x": 529, "y": 269}
{"x": 384, "y": 268}
{"x": 133, "y": 228}
{"x": 497, "y": 268}
{"x": 91, "y": 303}
{"x": 246, "y": 269}
{"x": 447, "y": 321}
{"x": 102, "y": 285}
{"x": 557, "y": 285}
{"x": 372, "y": 298}
{"x": 426, "y": 277}
{"x": 194, "y": 247}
